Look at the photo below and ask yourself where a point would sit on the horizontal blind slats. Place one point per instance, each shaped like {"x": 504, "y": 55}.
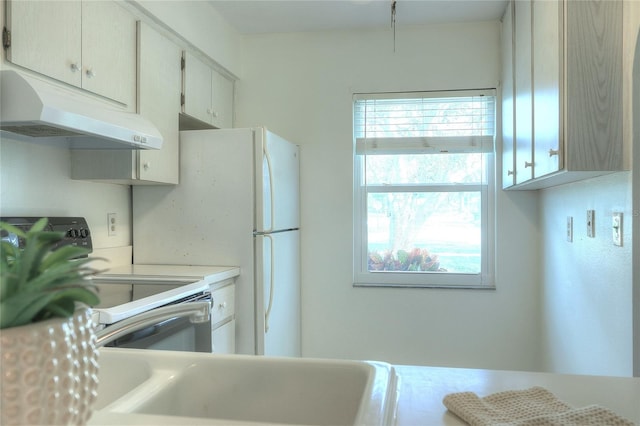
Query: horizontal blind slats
{"x": 446, "y": 119}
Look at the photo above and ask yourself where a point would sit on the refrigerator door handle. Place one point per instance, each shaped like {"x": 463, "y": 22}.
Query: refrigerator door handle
{"x": 271, "y": 287}
{"x": 271, "y": 189}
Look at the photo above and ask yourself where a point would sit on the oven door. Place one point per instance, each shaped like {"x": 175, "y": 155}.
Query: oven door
{"x": 174, "y": 334}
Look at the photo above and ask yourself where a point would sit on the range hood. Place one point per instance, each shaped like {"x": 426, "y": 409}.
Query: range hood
{"x": 39, "y": 111}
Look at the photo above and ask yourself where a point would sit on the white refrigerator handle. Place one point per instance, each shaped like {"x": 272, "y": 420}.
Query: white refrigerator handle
{"x": 271, "y": 287}
{"x": 271, "y": 189}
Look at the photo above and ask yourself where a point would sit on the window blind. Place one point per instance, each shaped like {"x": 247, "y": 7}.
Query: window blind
{"x": 425, "y": 122}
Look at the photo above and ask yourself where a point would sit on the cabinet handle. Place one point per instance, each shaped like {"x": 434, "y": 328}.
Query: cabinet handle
{"x": 553, "y": 152}
{"x": 527, "y": 164}
{"x": 222, "y": 305}
{"x": 146, "y": 165}
{"x": 90, "y": 73}
{"x": 75, "y": 67}
{"x": 509, "y": 172}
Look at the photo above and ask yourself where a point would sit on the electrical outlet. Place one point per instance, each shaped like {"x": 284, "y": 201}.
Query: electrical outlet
{"x": 591, "y": 223}
{"x": 570, "y": 229}
{"x": 616, "y": 227}
{"x": 111, "y": 224}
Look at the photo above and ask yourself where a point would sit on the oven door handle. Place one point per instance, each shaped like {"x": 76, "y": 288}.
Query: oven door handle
{"x": 198, "y": 312}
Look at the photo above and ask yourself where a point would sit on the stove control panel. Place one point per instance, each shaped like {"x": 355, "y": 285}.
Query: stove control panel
{"x": 75, "y": 229}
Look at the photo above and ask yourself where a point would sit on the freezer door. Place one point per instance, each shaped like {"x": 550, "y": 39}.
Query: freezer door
{"x": 278, "y": 174}
{"x": 278, "y": 294}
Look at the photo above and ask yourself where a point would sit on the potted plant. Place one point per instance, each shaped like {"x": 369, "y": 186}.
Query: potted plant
{"x": 47, "y": 338}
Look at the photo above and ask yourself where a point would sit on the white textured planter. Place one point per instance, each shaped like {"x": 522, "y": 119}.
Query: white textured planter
{"x": 49, "y": 371}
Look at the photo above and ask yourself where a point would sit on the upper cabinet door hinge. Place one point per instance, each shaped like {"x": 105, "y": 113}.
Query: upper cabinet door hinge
{"x": 182, "y": 63}
{"x": 6, "y": 38}
{"x": 181, "y": 99}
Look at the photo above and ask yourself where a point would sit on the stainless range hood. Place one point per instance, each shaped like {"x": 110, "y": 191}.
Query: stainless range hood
{"x": 39, "y": 111}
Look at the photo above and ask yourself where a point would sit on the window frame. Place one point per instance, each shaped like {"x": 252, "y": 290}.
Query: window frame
{"x": 362, "y": 277}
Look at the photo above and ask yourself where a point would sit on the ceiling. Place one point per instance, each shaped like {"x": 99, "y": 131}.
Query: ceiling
{"x": 269, "y": 16}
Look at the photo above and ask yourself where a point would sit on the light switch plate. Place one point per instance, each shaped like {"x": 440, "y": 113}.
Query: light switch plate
{"x": 591, "y": 225}
{"x": 616, "y": 228}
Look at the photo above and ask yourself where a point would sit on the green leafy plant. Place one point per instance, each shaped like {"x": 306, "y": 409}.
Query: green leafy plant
{"x": 39, "y": 282}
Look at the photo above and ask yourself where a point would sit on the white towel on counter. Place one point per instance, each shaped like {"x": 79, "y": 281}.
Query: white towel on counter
{"x": 535, "y": 406}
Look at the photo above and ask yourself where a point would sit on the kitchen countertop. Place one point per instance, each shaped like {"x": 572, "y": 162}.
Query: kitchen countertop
{"x": 178, "y": 272}
{"x": 421, "y": 390}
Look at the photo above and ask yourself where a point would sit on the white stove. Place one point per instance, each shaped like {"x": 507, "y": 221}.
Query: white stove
{"x": 140, "y": 294}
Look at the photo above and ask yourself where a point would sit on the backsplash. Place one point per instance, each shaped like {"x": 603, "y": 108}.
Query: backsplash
{"x": 34, "y": 180}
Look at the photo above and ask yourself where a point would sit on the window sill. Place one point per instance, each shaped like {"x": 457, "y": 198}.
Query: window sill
{"x": 435, "y": 286}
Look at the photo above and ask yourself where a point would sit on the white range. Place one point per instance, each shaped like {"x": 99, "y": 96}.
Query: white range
{"x": 131, "y": 293}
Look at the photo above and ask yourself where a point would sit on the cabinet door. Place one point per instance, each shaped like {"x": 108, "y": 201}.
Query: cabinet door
{"x": 547, "y": 75}
{"x": 46, "y": 38}
{"x": 508, "y": 158}
{"x": 197, "y": 88}
{"x": 224, "y": 338}
{"x": 159, "y": 67}
{"x": 109, "y": 51}
{"x": 159, "y": 88}
{"x": 523, "y": 87}
{"x": 221, "y": 100}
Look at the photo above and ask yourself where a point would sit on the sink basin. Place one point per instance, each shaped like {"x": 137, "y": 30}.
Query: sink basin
{"x": 242, "y": 389}
{"x": 112, "y": 386}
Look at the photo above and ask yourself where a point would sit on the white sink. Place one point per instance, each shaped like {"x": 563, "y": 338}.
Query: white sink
{"x": 247, "y": 389}
{"x": 130, "y": 373}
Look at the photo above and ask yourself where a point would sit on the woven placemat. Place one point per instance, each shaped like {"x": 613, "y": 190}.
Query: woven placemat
{"x": 535, "y": 406}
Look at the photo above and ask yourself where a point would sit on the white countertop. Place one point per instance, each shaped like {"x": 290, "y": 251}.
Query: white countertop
{"x": 177, "y": 272}
{"x": 422, "y": 389}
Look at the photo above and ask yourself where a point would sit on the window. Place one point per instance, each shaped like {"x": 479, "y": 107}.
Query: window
{"x": 423, "y": 189}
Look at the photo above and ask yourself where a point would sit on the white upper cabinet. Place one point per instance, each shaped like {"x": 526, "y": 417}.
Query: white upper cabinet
{"x": 159, "y": 89}
{"x": 523, "y": 97}
{"x": 547, "y": 69}
{"x": 109, "y": 51}
{"x": 567, "y": 69}
{"x": 159, "y": 94}
{"x": 88, "y": 44}
{"x": 46, "y": 37}
{"x": 207, "y": 96}
{"x": 508, "y": 99}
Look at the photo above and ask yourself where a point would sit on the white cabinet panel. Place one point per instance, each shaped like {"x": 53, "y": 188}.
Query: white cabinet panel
{"x": 568, "y": 88}
{"x": 197, "y": 88}
{"x": 207, "y": 96}
{"x": 46, "y": 38}
{"x": 221, "y": 101}
{"x": 224, "y": 338}
{"x": 159, "y": 92}
{"x": 223, "y": 331}
{"x": 508, "y": 99}
{"x": 523, "y": 85}
{"x": 547, "y": 74}
{"x": 109, "y": 51}
{"x": 88, "y": 44}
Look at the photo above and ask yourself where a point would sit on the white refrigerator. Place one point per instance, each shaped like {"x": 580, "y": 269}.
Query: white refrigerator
{"x": 237, "y": 204}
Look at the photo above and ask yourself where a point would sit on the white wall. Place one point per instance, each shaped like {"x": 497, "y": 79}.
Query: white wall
{"x": 586, "y": 296}
{"x": 587, "y": 287}
{"x": 34, "y": 180}
{"x": 300, "y": 85}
